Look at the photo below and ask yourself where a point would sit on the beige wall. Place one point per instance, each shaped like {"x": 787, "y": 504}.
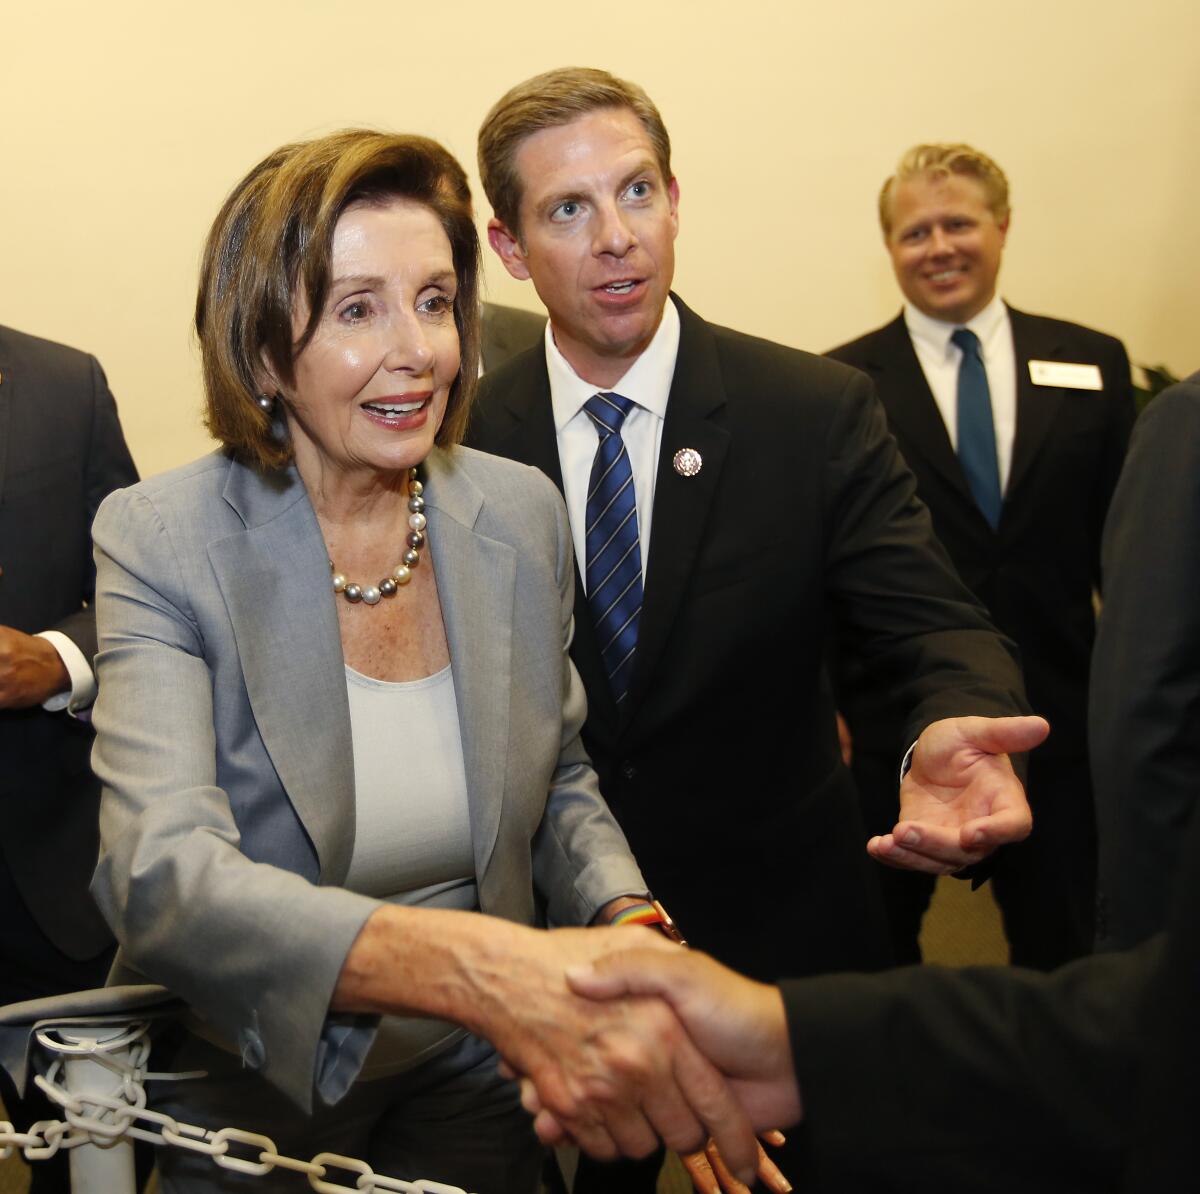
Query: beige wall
{"x": 124, "y": 124}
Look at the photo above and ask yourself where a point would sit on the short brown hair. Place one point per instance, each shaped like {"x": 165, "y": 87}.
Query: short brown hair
{"x": 270, "y": 245}
{"x": 940, "y": 161}
{"x": 546, "y": 101}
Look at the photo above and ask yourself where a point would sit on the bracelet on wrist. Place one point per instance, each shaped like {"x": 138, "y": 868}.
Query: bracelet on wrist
{"x": 652, "y": 914}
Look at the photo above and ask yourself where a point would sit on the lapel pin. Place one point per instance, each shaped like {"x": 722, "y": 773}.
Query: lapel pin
{"x": 687, "y": 462}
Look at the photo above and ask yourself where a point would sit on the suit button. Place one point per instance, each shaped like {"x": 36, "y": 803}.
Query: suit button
{"x": 628, "y": 770}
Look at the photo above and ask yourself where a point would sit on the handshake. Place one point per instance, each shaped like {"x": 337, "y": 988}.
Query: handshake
{"x": 639, "y": 1042}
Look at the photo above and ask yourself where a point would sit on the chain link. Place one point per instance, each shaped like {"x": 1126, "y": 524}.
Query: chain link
{"x": 104, "y": 1120}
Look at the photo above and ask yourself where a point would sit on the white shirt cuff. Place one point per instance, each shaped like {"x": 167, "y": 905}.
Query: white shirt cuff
{"x": 906, "y": 762}
{"x": 83, "y": 682}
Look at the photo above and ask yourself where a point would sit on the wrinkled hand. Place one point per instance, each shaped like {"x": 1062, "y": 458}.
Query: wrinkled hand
{"x": 710, "y": 1174}
{"x": 615, "y": 1077}
{"x": 961, "y": 799}
{"x": 31, "y": 670}
{"x": 738, "y": 1024}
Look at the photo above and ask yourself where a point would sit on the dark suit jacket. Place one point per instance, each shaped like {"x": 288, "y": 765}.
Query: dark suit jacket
{"x": 1037, "y": 570}
{"x": 507, "y": 331}
{"x": 724, "y": 768}
{"x": 1145, "y": 695}
{"x": 61, "y": 453}
{"x": 999, "y": 1079}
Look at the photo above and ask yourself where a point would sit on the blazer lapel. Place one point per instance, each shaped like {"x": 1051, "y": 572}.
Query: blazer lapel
{"x": 530, "y": 436}
{"x": 476, "y": 582}
{"x": 1037, "y": 406}
{"x": 911, "y": 405}
{"x": 532, "y": 439}
{"x": 681, "y": 504}
{"x": 275, "y": 580}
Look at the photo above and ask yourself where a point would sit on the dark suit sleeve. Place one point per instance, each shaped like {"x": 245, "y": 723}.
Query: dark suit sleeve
{"x": 988, "y": 1079}
{"x": 1144, "y": 716}
{"x": 905, "y": 618}
{"x": 108, "y": 466}
{"x": 1118, "y": 393}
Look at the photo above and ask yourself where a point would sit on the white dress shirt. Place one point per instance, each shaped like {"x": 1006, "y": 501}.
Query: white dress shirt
{"x": 940, "y": 359}
{"x": 647, "y": 384}
{"x": 83, "y": 681}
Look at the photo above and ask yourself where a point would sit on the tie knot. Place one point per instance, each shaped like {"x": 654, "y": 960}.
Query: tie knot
{"x": 608, "y": 411}
{"x": 966, "y": 340}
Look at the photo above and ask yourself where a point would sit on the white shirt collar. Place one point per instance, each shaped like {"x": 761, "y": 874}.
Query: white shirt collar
{"x": 647, "y": 381}
{"x": 935, "y": 333}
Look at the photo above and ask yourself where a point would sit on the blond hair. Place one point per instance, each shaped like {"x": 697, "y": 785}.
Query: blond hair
{"x": 940, "y": 160}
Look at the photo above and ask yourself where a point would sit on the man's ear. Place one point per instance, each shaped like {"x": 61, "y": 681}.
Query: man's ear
{"x": 508, "y": 248}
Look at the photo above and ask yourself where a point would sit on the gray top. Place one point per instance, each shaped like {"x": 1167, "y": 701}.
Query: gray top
{"x": 412, "y": 840}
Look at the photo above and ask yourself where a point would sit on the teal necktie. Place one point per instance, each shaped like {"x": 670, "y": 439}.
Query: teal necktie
{"x": 976, "y": 430}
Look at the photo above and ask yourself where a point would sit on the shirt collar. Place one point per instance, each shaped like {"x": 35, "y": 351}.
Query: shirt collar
{"x": 934, "y": 334}
{"x": 647, "y": 381}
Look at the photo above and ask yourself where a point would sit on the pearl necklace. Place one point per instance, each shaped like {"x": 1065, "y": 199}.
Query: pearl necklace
{"x": 402, "y": 573}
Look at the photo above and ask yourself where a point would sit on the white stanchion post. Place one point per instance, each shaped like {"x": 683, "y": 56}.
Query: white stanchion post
{"x": 96, "y": 1169}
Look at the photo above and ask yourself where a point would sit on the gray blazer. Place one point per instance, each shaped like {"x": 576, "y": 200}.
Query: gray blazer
{"x": 224, "y": 746}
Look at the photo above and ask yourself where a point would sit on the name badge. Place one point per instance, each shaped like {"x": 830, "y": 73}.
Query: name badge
{"x": 1065, "y": 376}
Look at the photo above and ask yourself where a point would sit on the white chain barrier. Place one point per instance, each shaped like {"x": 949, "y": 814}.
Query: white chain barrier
{"x": 108, "y": 1115}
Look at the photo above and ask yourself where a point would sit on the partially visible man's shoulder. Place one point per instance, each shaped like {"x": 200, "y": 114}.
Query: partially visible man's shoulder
{"x": 779, "y": 364}
{"x": 514, "y": 383}
{"x": 857, "y": 351}
{"x": 500, "y": 380}
{"x": 48, "y": 357}
{"x": 1070, "y": 333}
{"x": 1177, "y": 407}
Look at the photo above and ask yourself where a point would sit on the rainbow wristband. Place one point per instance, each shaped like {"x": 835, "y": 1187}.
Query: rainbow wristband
{"x": 638, "y": 914}
{"x": 653, "y": 914}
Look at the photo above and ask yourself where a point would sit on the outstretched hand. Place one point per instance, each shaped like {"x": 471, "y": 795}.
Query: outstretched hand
{"x": 961, "y": 798}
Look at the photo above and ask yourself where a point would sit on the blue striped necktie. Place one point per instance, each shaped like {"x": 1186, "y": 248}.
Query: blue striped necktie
{"x": 976, "y": 430}
{"x": 614, "y": 556}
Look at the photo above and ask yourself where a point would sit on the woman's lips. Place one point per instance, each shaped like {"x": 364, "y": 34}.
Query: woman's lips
{"x": 398, "y": 410}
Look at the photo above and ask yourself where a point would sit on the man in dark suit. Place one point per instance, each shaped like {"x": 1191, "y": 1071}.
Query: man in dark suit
{"x": 759, "y": 506}
{"x": 1015, "y": 427}
{"x": 61, "y": 453}
{"x": 1145, "y": 693}
{"x": 505, "y": 332}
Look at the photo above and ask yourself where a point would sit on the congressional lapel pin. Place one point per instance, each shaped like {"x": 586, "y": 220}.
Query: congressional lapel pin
{"x": 687, "y": 462}
{"x": 1066, "y": 376}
